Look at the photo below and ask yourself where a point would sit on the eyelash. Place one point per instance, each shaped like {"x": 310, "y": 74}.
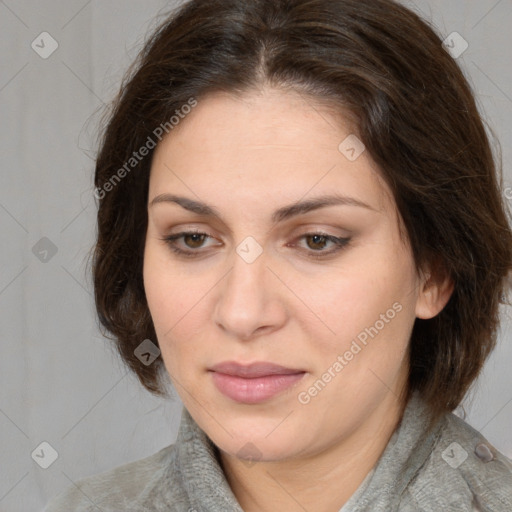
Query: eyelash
{"x": 339, "y": 242}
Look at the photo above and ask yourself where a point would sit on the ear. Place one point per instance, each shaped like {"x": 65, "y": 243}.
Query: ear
{"x": 436, "y": 288}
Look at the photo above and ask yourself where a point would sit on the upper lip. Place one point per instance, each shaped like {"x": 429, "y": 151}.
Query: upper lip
{"x": 248, "y": 371}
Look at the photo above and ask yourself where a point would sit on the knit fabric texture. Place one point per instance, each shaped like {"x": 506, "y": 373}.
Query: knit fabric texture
{"x": 453, "y": 468}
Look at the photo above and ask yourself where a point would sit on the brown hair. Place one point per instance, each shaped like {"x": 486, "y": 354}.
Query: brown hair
{"x": 414, "y": 111}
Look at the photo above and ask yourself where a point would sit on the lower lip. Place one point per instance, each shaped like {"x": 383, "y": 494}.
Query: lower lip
{"x": 253, "y": 391}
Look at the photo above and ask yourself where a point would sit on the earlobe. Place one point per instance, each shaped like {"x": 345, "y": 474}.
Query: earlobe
{"x": 435, "y": 292}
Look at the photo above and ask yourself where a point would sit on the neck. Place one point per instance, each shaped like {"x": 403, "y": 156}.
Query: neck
{"x": 323, "y": 481}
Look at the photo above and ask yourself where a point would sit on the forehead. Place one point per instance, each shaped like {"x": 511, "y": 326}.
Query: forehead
{"x": 260, "y": 119}
{"x": 265, "y": 145}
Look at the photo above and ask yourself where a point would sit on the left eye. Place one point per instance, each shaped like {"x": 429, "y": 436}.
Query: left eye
{"x": 317, "y": 241}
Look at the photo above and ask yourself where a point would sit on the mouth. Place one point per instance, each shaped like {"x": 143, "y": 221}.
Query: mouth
{"x": 253, "y": 383}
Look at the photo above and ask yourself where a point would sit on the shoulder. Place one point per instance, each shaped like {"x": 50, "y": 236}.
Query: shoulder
{"x": 112, "y": 489}
{"x": 464, "y": 472}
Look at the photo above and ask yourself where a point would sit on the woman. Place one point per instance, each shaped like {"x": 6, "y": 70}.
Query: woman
{"x": 300, "y": 224}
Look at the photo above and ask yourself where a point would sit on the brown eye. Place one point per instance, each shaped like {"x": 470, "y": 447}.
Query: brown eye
{"x": 318, "y": 241}
{"x": 191, "y": 242}
{"x": 196, "y": 240}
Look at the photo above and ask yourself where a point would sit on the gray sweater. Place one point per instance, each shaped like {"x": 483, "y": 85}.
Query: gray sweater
{"x": 453, "y": 468}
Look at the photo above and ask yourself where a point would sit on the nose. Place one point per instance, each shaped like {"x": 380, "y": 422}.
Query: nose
{"x": 250, "y": 299}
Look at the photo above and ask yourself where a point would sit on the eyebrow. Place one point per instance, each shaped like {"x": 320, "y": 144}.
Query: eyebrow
{"x": 279, "y": 215}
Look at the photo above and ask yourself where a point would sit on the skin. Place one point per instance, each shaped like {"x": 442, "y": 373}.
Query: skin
{"x": 248, "y": 156}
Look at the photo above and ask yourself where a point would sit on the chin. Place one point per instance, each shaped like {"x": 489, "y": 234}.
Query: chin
{"x": 255, "y": 438}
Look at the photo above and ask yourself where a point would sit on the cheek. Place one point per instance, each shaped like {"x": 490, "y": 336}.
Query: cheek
{"x": 165, "y": 294}
{"x": 373, "y": 346}
{"x": 347, "y": 301}
{"x": 370, "y": 311}
{"x": 175, "y": 305}
{"x": 165, "y": 286}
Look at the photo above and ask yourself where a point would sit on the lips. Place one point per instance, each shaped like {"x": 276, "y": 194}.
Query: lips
{"x": 253, "y": 383}
{"x": 253, "y": 370}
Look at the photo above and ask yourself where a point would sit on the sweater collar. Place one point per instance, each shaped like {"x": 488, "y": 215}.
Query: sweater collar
{"x": 206, "y": 487}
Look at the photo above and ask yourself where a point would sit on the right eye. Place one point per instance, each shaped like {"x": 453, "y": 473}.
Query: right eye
{"x": 192, "y": 239}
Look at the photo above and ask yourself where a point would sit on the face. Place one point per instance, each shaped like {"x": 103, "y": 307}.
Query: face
{"x": 283, "y": 327}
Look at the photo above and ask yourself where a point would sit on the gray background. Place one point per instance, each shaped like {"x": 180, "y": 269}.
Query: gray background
{"x": 61, "y": 382}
